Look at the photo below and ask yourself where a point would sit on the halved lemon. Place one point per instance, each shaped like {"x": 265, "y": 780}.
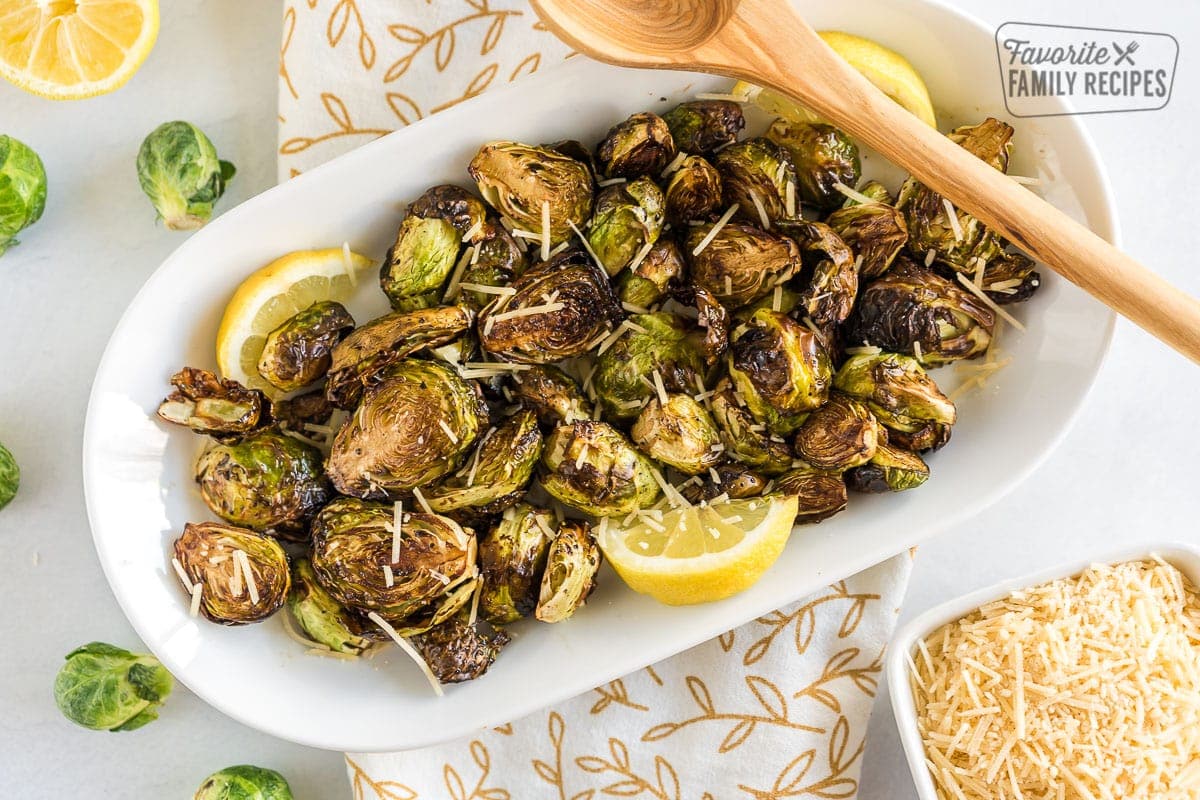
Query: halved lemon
{"x": 69, "y": 49}
{"x": 274, "y": 294}
{"x": 698, "y": 554}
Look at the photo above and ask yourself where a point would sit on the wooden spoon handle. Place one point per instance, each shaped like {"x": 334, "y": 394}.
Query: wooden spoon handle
{"x": 779, "y": 50}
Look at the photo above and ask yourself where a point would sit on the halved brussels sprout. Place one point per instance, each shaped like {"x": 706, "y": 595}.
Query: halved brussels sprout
{"x": 680, "y": 433}
{"x": 244, "y": 782}
{"x": 297, "y": 353}
{"x": 831, "y": 290}
{"x": 822, "y": 156}
{"x": 745, "y": 440}
{"x": 821, "y": 493}
{"x": 702, "y": 126}
{"x": 628, "y": 217}
{"x": 694, "y": 191}
{"x": 452, "y": 204}
{"x": 741, "y": 263}
{"x": 551, "y": 394}
{"x": 498, "y": 472}
{"x": 712, "y": 317}
{"x": 1011, "y": 278}
{"x": 780, "y": 369}
{"x": 499, "y": 262}
{"x": 789, "y": 301}
{"x": 323, "y": 618}
{"x": 896, "y": 389}
{"x": 420, "y": 261}
{"x": 512, "y": 557}
{"x": 736, "y": 482}
{"x": 641, "y": 145}
{"x": 560, "y": 308}
{"x": 930, "y": 436}
{"x": 412, "y": 427}
{"x": 267, "y": 481}
{"x": 650, "y": 281}
{"x": 108, "y": 688}
{"x": 872, "y": 190}
{"x": 876, "y": 233}
{"x": 458, "y": 651}
{"x": 755, "y": 173}
{"x": 242, "y": 575}
{"x": 839, "y": 435}
{"x": 592, "y": 467}
{"x": 296, "y": 412}
{"x": 519, "y": 180}
{"x": 656, "y": 342}
{"x": 891, "y": 469}
{"x": 208, "y": 404}
{"x": 570, "y": 575}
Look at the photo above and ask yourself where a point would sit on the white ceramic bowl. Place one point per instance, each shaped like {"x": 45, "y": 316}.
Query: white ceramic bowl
{"x": 138, "y": 474}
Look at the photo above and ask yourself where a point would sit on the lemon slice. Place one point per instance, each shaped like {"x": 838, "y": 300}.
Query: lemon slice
{"x": 697, "y": 554}
{"x": 888, "y": 70}
{"x": 68, "y": 49}
{"x": 274, "y": 294}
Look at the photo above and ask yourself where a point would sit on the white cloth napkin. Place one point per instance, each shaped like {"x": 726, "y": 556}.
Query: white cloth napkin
{"x": 777, "y": 708}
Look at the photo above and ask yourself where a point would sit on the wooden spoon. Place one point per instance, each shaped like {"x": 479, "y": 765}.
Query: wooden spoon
{"x": 767, "y": 43}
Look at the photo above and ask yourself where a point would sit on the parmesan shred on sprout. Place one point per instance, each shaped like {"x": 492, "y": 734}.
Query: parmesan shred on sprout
{"x": 545, "y": 230}
{"x": 1086, "y": 688}
{"x": 610, "y": 182}
{"x": 397, "y": 522}
{"x": 712, "y": 234}
{"x": 761, "y": 209}
{"x": 675, "y": 164}
{"x": 409, "y": 651}
{"x": 952, "y": 218}
{"x": 990, "y": 303}
{"x": 459, "y": 269}
{"x": 587, "y": 246}
{"x": 856, "y": 196}
{"x": 421, "y": 501}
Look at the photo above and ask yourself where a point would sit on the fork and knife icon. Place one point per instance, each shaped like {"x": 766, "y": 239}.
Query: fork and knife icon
{"x": 1125, "y": 55}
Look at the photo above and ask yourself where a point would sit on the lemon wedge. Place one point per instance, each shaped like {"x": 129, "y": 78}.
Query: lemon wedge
{"x": 68, "y": 49}
{"x": 274, "y": 294}
{"x": 698, "y": 554}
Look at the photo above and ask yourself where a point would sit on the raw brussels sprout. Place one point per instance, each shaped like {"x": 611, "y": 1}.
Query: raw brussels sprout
{"x": 207, "y": 404}
{"x": 641, "y": 145}
{"x": 875, "y": 233}
{"x": 659, "y": 342}
{"x": 745, "y": 440}
{"x": 570, "y": 575}
{"x": 22, "y": 189}
{"x": 411, "y": 428}
{"x": 736, "y": 482}
{"x": 244, "y": 782}
{"x": 452, "y": 204}
{"x": 890, "y": 469}
{"x": 420, "y": 261}
{"x": 831, "y": 290}
{"x": 458, "y": 651}
{"x": 896, "y": 389}
{"x": 560, "y": 308}
{"x": 519, "y": 181}
{"x": 822, "y": 156}
{"x": 512, "y": 558}
{"x": 297, "y": 353}
{"x": 680, "y": 433}
{"x": 551, "y": 394}
{"x": 755, "y": 173}
{"x": 741, "y": 263}
{"x": 499, "y": 262}
{"x": 179, "y": 171}
{"x": 839, "y": 435}
{"x": 592, "y": 467}
{"x": 702, "y": 126}
{"x": 497, "y": 474}
{"x": 648, "y": 283}
{"x": 321, "y": 617}
{"x": 694, "y": 191}
{"x": 243, "y": 576}
{"x": 10, "y": 476}
{"x": 821, "y": 493}
{"x": 628, "y": 217}
{"x": 106, "y": 688}
{"x": 780, "y": 369}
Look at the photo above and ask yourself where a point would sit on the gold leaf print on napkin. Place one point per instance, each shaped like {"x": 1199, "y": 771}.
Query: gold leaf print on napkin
{"x": 804, "y": 618}
{"x": 361, "y": 782}
{"x": 337, "y": 111}
{"x": 443, "y": 40}
{"x": 834, "y": 784}
{"x": 458, "y": 789}
{"x": 289, "y": 30}
{"x": 615, "y": 692}
{"x": 629, "y": 783}
{"x": 339, "y": 21}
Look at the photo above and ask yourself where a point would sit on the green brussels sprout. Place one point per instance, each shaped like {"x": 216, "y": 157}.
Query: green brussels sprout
{"x": 321, "y": 617}
{"x": 839, "y": 435}
{"x": 820, "y": 493}
{"x": 628, "y": 217}
{"x": 208, "y": 404}
{"x": 912, "y": 307}
{"x": 179, "y": 171}
{"x": 656, "y": 342}
{"x": 648, "y": 283}
{"x": 457, "y": 651}
{"x": 891, "y": 469}
{"x": 411, "y": 428}
{"x": 496, "y": 475}
{"x": 10, "y": 476}
{"x": 570, "y": 574}
{"x": 822, "y": 155}
{"x": 694, "y": 191}
{"x": 755, "y": 174}
{"x": 831, "y": 290}
{"x": 872, "y": 190}
{"x": 641, "y": 145}
{"x": 420, "y": 261}
{"x": 242, "y": 575}
{"x": 741, "y": 263}
{"x": 267, "y": 481}
{"x": 896, "y": 389}
{"x": 592, "y": 467}
{"x": 106, "y": 688}
{"x": 384, "y": 341}
{"x": 520, "y": 181}
{"x": 732, "y": 480}
{"x": 679, "y": 433}
{"x": 874, "y": 232}
{"x": 780, "y": 368}
{"x": 551, "y": 394}
{"x": 453, "y": 204}
{"x": 512, "y": 557}
{"x": 22, "y": 189}
{"x": 745, "y": 440}
{"x": 789, "y": 301}
{"x": 702, "y": 126}
{"x": 244, "y": 782}
{"x": 927, "y": 437}
{"x": 297, "y": 352}
{"x": 560, "y": 308}
{"x": 498, "y": 262}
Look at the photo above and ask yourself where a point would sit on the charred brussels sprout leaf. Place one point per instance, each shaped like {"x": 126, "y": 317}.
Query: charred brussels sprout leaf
{"x": 822, "y": 155}
{"x": 891, "y": 469}
{"x": 701, "y": 126}
{"x": 839, "y": 435}
{"x": 453, "y": 204}
{"x": 741, "y": 263}
{"x": 896, "y": 389}
{"x": 22, "y": 189}
{"x": 512, "y": 558}
{"x": 323, "y": 618}
{"x": 680, "y": 433}
{"x": 107, "y": 688}
{"x": 296, "y": 412}
{"x": 412, "y": 427}
{"x": 458, "y": 651}
{"x": 297, "y": 353}
{"x": 215, "y": 558}
{"x": 736, "y": 482}
{"x": 874, "y": 232}
{"x": 694, "y": 191}
{"x": 755, "y": 174}
{"x": 930, "y": 436}
{"x": 419, "y": 262}
{"x": 834, "y": 282}
{"x": 821, "y": 493}
{"x": 10, "y": 476}
{"x": 655, "y": 343}
{"x": 745, "y": 440}
{"x": 497, "y": 473}
{"x": 592, "y": 467}
{"x": 780, "y": 368}
{"x": 650, "y": 281}
{"x": 518, "y": 180}
{"x": 551, "y": 394}
{"x": 498, "y": 262}
{"x": 628, "y": 217}
{"x": 244, "y": 782}
{"x": 207, "y": 404}
{"x": 570, "y": 576}
{"x": 179, "y": 171}
{"x": 641, "y": 145}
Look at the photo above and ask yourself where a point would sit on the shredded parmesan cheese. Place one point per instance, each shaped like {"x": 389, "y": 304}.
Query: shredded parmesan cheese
{"x": 761, "y": 209}
{"x": 187, "y": 582}
{"x": 587, "y": 246}
{"x": 397, "y": 522}
{"x": 632, "y": 309}
{"x": 660, "y": 388}
{"x": 675, "y": 164}
{"x": 389, "y": 580}
{"x": 421, "y": 501}
{"x": 459, "y": 269}
{"x": 483, "y": 288}
{"x": 640, "y": 257}
{"x": 789, "y": 198}
{"x": 777, "y": 298}
{"x": 712, "y": 234}
{"x": 856, "y": 196}
{"x": 473, "y": 231}
{"x": 545, "y": 230}
{"x": 408, "y": 649}
{"x": 531, "y": 311}
{"x": 990, "y": 303}
{"x": 952, "y": 217}
{"x": 251, "y": 586}
{"x": 450, "y": 434}
{"x": 610, "y": 182}
{"x": 348, "y": 264}
{"x": 930, "y": 255}
{"x": 197, "y": 592}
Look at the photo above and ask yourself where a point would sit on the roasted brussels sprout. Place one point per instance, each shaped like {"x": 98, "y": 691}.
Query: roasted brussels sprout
{"x": 297, "y": 353}
{"x": 755, "y": 174}
{"x": 821, "y": 493}
{"x": 296, "y": 412}
{"x": 10, "y": 476}
{"x": 930, "y": 436}
{"x": 242, "y": 576}
{"x": 420, "y": 261}
{"x": 780, "y": 369}
{"x": 1010, "y": 277}
{"x": 267, "y": 481}
{"x": 896, "y": 389}
{"x": 497, "y": 474}
{"x": 512, "y": 558}
{"x": 628, "y": 217}
{"x": 874, "y": 191}
{"x": 321, "y": 617}
{"x": 244, "y": 782}
{"x": 207, "y": 404}
{"x": 656, "y": 342}
{"x": 679, "y": 433}
{"x": 694, "y": 191}
{"x": 890, "y": 469}
{"x": 789, "y": 301}
{"x": 458, "y": 651}
{"x": 455, "y": 205}
{"x": 570, "y": 575}
{"x": 839, "y": 435}
{"x": 875, "y": 232}
{"x": 499, "y": 262}
{"x": 914, "y": 310}
{"x": 712, "y": 317}
{"x": 107, "y": 688}
{"x": 412, "y": 427}
{"x": 551, "y": 394}
{"x": 822, "y": 156}
{"x": 833, "y": 284}
{"x": 701, "y": 126}
{"x": 179, "y": 171}
{"x": 649, "y": 282}
{"x": 560, "y": 308}
{"x": 520, "y": 181}
{"x": 22, "y": 189}
{"x": 741, "y": 263}
{"x": 732, "y": 480}
{"x": 745, "y": 440}
{"x": 641, "y": 145}
{"x": 592, "y": 467}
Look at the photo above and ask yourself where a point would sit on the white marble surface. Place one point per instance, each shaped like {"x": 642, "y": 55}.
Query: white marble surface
{"x": 1124, "y": 474}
